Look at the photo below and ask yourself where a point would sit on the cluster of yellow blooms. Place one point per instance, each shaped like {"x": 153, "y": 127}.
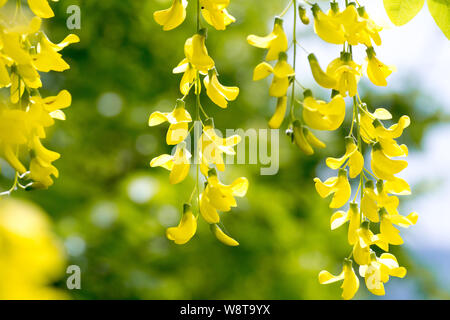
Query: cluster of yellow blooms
{"x": 216, "y": 196}
{"x": 31, "y": 258}
{"x": 25, "y": 51}
{"x": 379, "y": 187}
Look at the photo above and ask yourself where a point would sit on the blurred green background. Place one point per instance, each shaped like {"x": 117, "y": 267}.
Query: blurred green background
{"x": 111, "y": 209}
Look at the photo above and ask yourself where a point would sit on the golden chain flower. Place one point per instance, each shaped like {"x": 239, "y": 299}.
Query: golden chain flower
{"x": 216, "y": 197}
{"x": 25, "y": 51}
{"x": 379, "y": 187}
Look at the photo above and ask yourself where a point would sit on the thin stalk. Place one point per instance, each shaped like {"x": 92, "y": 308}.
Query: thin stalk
{"x": 294, "y": 40}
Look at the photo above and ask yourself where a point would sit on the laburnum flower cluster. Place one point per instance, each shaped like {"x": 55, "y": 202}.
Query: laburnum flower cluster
{"x": 215, "y": 197}
{"x": 25, "y": 52}
{"x": 371, "y": 222}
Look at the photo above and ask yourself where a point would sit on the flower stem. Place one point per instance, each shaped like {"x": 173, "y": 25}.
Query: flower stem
{"x": 294, "y": 40}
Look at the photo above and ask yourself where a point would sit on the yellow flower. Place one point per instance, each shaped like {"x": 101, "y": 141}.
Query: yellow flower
{"x": 54, "y": 104}
{"x": 305, "y": 139}
{"x": 189, "y": 74}
{"x": 276, "y": 41}
{"x": 361, "y": 247}
{"x": 216, "y": 14}
{"x": 178, "y": 164}
{"x": 220, "y": 197}
{"x": 47, "y": 58}
{"x": 321, "y": 77}
{"x": 41, "y": 175}
{"x": 351, "y": 282}
{"x": 377, "y": 71}
{"x": 282, "y": 72}
{"x": 172, "y": 17}
{"x": 320, "y": 115}
{"x": 384, "y": 167}
{"x": 327, "y": 27}
{"x": 378, "y": 271}
{"x": 31, "y": 258}
{"x": 196, "y": 52}
{"x": 212, "y": 148}
{"x": 186, "y": 228}
{"x": 390, "y": 234}
{"x": 222, "y": 236}
{"x": 347, "y": 74}
{"x": 278, "y": 116}
{"x": 353, "y": 215}
{"x": 218, "y": 93}
{"x": 41, "y": 8}
{"x": 178, "y": 119}
{"x": 355, "y": 159}
{"x": 338, "y": 185}
{"x": 370, "y": 30}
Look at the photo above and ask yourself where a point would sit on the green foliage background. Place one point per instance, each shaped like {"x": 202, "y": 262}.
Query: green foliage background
{"x": 120, "y": 244}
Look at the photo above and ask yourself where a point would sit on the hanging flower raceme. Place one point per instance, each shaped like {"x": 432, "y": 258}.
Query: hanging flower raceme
{"x": 25, "y": 115}
{"x": 378, "y": 185}
{"x": 210, "y": 147}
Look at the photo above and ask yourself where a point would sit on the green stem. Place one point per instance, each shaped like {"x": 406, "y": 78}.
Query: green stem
{"x": 294, "y": 40}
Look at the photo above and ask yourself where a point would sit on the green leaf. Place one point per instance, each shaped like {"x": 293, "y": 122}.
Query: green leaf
{"x": 402, "y": 11}
{"x": 440, "y": 10}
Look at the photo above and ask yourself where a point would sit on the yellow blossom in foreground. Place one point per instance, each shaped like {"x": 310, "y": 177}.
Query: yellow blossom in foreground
{"x": 222, "y": 237}
{"x": 172, "y": 17}
{"x": 278, "y": 116}
{"x": 196, "y": 52}
{"x": 41, "y": 8}
{"x": 186, "y": 229}
{"x": 320, "y": 115}
{"x": 178, "y": 164}
{"x": 305, "y": 139}
{"x": 216, "y": 14}
{"x": 354, "y": 157}
{"x": 347, "y": 74}
{"x": 276, "y": 41}
{"x": 218, "y": 93}
{"x": 350, "y": 283}
{"x": 339, "y": 186}
{"x": 178, "y": 119}
{"x": 376, "y": 70}
{"x": 353, "y": 215}
{"x": 327, "y": 27}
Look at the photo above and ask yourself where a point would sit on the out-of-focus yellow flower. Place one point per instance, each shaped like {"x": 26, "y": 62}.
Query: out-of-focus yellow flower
{"x": 355, "y": 159}
{"x": 222, "y": 236}
{"x": 196, "y": 52}
{"x": 186, "y": 229}
{"x": 347, "y": 74}
{"x": 351, "y": 282}
{"x": 178, "y": 164}
{"x": 339, "y": 186}
{"x": 320, "y": 115}
{"x": 178, "y": 119}
{"x": 276, "y": 41}
{"x": 220, "y": 197}
{"x": 282, "y": 72}
{"x": 216, "y": 14}
{"x": 377, "y": 272}
{"x": 377, "y": 71}
{"x": 31, "y": 258}
{"x": 212, "y": 148}
{"x": 172, "y": 17}
{"x": 218, "y": 93}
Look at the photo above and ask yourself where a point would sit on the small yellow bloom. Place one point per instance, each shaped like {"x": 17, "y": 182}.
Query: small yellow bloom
{"x": 178, "y": 119}
{"x": 216, "y": 14}
{"x": 196, "y": 52}
{"x": 361, "y": 247}
{"x": 347, "y": 74}
{"x": 377, "y": 71}
{"x": 189, "y": 74}
{"x": 390, "y": 234}
{"x": 351, "y": 282}
{"x": 48, "y": 57}
{"x": 320, "y": 115}
{"x": 218, "y": 93}
{"x": 178, "y": 164}
{"x": 220, "y": 197}
{"x": 172, "y": 17}
{"x": 353, "y": 215}
{"x": 355, "y": 159}
{"x": 384, "y": 167}
{"x": 41, "y": 8}
{"x": 338, "y": 185}
{"x": 212, "y": 148}
{"x": 186, "y": 228}
{"x": 321, "y": 77}
{"x": 222, "y": 236}
{"x": 327, "y": 27}
{"x": 305, "y": 139}
{"x": 280, "y": 111}
{"x": 54, "y": 104}
{"x": 378, "y": 271}
{"x": 276, "y": 41}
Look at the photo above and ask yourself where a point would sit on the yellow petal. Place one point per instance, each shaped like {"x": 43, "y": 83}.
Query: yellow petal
{"x": 186, "y": 228}
{"x": 262, "y": 70}
{"x": 41, "y": 8}
{"x": 177, "y": 133}
{"x": 222, "y": 237}
{"x": 280, "y": 110}
{"x": 172, "y": 17}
